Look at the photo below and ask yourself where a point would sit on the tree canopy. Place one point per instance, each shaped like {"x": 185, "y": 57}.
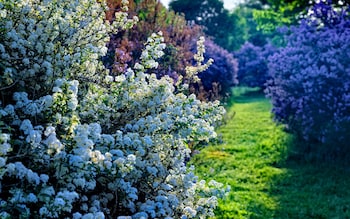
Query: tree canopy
{"x": 276, "y": 13}
{"x": 218, "y": 22}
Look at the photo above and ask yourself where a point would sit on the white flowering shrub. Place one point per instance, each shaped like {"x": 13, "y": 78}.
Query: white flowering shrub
{"x": 77, "y": 143}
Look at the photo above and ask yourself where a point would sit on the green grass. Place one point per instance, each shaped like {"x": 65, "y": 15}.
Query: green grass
{"x": 269, "y": 178}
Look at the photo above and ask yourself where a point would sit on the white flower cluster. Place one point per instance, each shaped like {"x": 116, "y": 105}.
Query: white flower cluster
{"x": 44, "y": 40}
{"x": 192, "y": 71}
{"x": 313, "y": 13}
{"x": 5, "y": 147}
{"x": 154, "y": 50}
{"x": 27, "y": 106}
{"x": 106, "y": 150}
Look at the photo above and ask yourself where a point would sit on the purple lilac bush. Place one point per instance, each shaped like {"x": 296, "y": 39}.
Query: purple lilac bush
{"x": 222, "y": 72}
{"x": 253, "y": 70}
{"x": 310, "y": 85}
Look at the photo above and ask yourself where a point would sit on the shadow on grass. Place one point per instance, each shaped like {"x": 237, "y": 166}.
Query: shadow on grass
{"x": 312, "y": 185}
{"x": 244, "y": 95}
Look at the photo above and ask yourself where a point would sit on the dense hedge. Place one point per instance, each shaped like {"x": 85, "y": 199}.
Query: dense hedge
{"x": 310, "y": 89}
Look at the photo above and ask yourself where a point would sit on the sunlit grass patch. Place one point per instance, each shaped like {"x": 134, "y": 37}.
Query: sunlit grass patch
{"x": 251, "y": 146}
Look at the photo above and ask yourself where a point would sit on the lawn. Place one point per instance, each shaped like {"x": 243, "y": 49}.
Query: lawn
{"x": 268, "y": 175}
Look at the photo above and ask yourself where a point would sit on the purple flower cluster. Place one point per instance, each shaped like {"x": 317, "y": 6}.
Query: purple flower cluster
{"x": 252, "y": 60}
{"x": 310, "y": 85}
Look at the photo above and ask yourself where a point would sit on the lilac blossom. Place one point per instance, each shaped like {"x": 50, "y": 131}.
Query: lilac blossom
{"x": 222, "y": 72}
{"x": 310, "y": 83}
{"x": 252, "y": 61}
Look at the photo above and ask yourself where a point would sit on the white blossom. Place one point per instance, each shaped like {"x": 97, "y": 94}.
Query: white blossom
{"x": 77, "y": 215}
{"x": 126, "y": 135}
{"x": 44, "y": 178}
{"x": 32, "y": 198}
{"x": 43, "y": 211}
{"x": 88, "y": 216}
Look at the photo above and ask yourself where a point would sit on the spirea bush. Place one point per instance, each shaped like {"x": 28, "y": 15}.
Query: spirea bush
{"x": 253, "y": 61}
{"x": 310, "y": 89}
{"x": 78, "y": 143}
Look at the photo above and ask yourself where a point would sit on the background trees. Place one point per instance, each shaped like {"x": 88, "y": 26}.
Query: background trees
{"x": 275, "y": 13}
{"x": 216, "y": 20}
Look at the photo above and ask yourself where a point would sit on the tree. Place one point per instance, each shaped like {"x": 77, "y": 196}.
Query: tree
{"x": 248, "y": 26}
{"x": 277, "y": 13}
{"x": 211, "y": 14}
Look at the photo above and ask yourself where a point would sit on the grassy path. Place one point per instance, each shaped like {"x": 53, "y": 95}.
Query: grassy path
{"x": 266, "y": 179}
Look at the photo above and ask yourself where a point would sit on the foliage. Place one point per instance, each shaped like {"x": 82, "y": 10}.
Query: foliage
{"x": 278, "y": 13}
{"x": 252, "y": 60}
{"x": 248, "y": 25}
{"x": 223, "y": 27}
{"x": 234, "y": 33}
{"x": 126, "y": 47}
{"x": 311, "y": 81}
{"x": 180, "y": 36}
{"x": 221, "y": 76}
{"x": 78, "y": 143}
